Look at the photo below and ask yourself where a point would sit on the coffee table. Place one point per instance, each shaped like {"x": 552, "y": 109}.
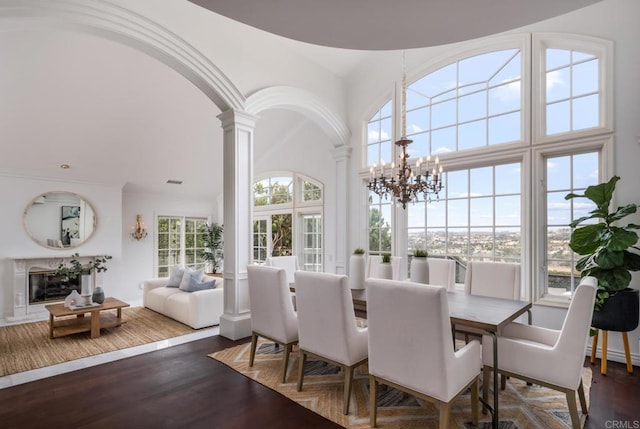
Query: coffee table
{"x": 92, "y": 323}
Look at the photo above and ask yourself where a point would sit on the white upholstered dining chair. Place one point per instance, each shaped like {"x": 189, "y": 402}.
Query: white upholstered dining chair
{"x": 289, "y": 263}
{"x": 551, "y": 358}
{"x": 494, "y": 279}
{"x": 327, "y": 326}
{"x": 442, "y": 272}
{"x": 413, "y": 352}
{"x": 272, "y": 315}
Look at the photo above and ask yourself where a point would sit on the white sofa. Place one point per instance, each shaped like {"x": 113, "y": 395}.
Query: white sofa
{"x": 196, "y": 309}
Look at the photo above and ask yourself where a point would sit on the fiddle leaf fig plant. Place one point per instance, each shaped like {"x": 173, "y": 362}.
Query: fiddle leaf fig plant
{"x": 605, "y": 248}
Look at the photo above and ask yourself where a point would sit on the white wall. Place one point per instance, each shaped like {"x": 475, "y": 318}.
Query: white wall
{"x": 17, "y": 193}
{"x": 138, "y": 256}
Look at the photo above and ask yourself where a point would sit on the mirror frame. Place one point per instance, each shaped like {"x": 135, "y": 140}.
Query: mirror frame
{"x": 36, "y": 240}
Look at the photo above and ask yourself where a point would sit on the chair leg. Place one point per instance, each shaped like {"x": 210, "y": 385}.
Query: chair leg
{"x": 486, "y": 376}
{"x": 573, "y": 409}
{"x": 503, "y": 381}
{"x": 301, "y": 360}
{"x": 474, "y": 402}
{"x": 603, "y": 358}
{"x": 594, "y": 347}
{"x": 627, "y": 354}
{"x": 254, "y": 343}
{"x": 373, "y": 404}
{"x": 445, "y": 411}
{"x": 583, "y": 400}
{"x": 285, "y": 361}
{"x": 348, "y": 379}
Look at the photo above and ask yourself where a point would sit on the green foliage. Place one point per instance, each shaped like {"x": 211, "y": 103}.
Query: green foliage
{"x": 386, "y": 259}
{"x": 420, "y": 253}
{"x": 75, "y": 269}
{"x": 212, "y": 235}
{"x": 275, "y": 194}
{"x": 604, "y": 247}
{"x": 379, "y": 232}
{"x": 358, "y": 251}
{"x": 281, "y": 235}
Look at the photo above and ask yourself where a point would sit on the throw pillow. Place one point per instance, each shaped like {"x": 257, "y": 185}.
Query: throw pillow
{"x": 188, "y": 273}
{"x": 196, "y": 285}
{"x": 176, "y": 276}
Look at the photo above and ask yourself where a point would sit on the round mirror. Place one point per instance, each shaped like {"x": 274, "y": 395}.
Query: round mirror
{"x": 59, "y": 220}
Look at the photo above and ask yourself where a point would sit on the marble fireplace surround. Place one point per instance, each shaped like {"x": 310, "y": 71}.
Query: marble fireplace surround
{"x": 22, "y": 310}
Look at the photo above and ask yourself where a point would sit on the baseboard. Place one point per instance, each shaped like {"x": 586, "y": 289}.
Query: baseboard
{"x": 616, "y": 356}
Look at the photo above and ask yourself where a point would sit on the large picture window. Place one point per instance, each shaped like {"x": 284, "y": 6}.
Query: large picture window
{"x": 505, "y": 175}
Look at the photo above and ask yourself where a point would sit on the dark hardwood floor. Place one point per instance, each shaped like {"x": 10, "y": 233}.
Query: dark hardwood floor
{"x": 180, "y": 387}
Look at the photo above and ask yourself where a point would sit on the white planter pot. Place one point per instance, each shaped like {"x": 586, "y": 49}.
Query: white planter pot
{"x": 384, "y": 271}
{"x": 419, "y": 270}
{"x": 356, "y": 271}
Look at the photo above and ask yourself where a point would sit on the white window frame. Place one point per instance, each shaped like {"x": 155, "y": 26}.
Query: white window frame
{"x": 601, "y": 144}
{"x": 296, "y": 208}
{"x": 182, "y": 217}
{"x": 601, "y": 48}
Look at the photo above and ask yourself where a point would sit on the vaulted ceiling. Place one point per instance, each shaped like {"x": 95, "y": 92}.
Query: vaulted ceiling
{"x": 118, "y": 116}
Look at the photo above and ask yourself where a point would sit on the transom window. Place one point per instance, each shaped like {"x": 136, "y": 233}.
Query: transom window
{"x": 572, "y": 91}
{"x": 467, "y": 104}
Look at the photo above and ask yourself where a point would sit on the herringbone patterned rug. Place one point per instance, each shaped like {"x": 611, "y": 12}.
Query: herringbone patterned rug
{"x": 521, "y": 406}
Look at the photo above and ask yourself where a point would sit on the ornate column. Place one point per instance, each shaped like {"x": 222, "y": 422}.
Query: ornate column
{"x": 238, "y": 128}
{"x": 342, "y": 154}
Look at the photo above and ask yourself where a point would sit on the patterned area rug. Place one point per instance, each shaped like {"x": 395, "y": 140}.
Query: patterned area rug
{"x": 521, "y": 406}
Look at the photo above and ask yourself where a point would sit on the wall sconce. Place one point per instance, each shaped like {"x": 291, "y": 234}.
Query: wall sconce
{"x": 139, "y": 230}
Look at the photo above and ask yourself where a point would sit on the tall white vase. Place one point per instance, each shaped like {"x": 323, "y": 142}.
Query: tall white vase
{"x": 86, "y": 287}
{"x": 356, "y": 271}
{"x": 86, "y": 284}
{"x": 419, "y": 270}
{"x": 384, "y": 271}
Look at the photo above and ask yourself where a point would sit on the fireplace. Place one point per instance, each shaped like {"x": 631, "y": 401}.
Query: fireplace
{"x": 46, "y": 287}
{"x": 35, "y": 285}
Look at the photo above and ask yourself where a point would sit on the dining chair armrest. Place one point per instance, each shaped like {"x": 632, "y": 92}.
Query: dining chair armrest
{"x": 536, "y": 334}
{"x": 468, "y": 361}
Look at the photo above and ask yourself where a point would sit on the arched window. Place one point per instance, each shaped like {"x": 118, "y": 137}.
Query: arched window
{"x": 287, "y": 219}
{"x": 505, "y": 175}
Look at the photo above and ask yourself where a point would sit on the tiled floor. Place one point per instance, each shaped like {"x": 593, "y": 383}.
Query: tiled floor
{"x": 37, "y": 374}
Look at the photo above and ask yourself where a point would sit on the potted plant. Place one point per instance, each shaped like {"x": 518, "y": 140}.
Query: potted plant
{"x": 606, "y": 254}
{"x": 384, "y": 270}
{"x": 357, "y": 269}
{"x": 213, "y": 246}
{"x": 75, "y": 270}
{"x": 420, "y": 266}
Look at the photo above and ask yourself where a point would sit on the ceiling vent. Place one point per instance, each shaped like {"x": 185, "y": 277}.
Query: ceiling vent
{"x": 174, "y": 182}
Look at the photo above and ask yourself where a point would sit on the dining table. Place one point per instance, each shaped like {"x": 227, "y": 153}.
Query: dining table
{"x": 483, "y": 313}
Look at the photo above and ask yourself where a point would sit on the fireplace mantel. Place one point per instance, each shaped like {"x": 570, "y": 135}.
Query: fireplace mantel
{"x": 22, "y": 266}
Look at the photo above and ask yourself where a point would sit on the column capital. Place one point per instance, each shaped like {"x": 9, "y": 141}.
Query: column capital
{"x": 341, "y": 152}
{"x": 233, "y": 117}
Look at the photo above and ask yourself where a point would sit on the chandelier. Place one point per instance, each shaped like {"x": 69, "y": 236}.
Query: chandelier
{"x": 405, "y": 182}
